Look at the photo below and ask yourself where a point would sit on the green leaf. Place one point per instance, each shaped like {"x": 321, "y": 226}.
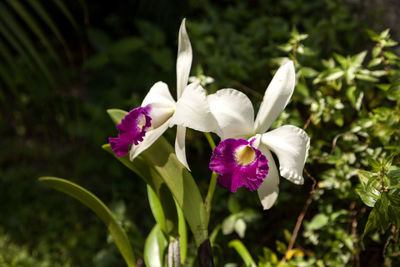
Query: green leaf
{"x": 182, "y": 186}
{"x": 98, "y": 207}
{"x": 308, "y": 72}
{"x": 154, "y": 248}
{"x": 318, "y": 222}
{"x": 376, "y": 51}
{"x": 151, "y": 177}
{"x": 374, "y": 62}
{"x": 228, "y": 224}
{"x": 243, "y": 252}
{"x": 372, "y": 222}
{"x": 358, "y": 59}
{"x": 240, "y": 227}
{"x": 156, "y": 208}
{"x": 183, "y": 238}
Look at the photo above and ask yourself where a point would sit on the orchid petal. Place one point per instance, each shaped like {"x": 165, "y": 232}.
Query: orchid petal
{"x": 148, "y": 140}
{"x": 291, "y": 145}
{"x": 269, "y": 189}
{"x": 192, "y": 110}
{"x": 276, "y": 97}
{"x": 180, "y": 150}
{"x": 161, "y": 102}
{"x": 234, "y": 113}
{"x": 184, "y": 60}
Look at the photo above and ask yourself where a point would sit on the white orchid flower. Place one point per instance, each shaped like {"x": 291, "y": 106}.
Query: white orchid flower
{"x": 238, "y": 158}
{"x": 142, "y": 126}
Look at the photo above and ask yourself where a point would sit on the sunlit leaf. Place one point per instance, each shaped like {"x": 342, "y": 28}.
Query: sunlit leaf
{"x": 97, "y": 206}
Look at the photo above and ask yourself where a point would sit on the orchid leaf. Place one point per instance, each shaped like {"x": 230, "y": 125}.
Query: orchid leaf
{"x": 98, "y": 207}
{"x": 156, "y": 208}
{"x": 151, "y": 177}
{"x": 154, "y": 247}
{"x": 183, "y": 239}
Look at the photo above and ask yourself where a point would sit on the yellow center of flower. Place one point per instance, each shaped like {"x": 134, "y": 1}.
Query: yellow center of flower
{"x": 245, "y": 155}
{"x": 141, "y": 121}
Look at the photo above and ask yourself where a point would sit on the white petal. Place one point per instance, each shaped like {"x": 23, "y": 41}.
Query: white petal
{"x": 192, "y": 110}
{"x": 150, "y": 137}
{"x": 291, "y": 145}
{"x": 269, "y": 189}
{"x": 162, "y": 104}
{"x": 276, "y": 97}
{"x": 184, "y": 60}
{"x": 234, "y": 113}
{"x": 180, "y": 150}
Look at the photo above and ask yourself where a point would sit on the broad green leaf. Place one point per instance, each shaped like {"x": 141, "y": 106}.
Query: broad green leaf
{"x": 181, "y": 184}
{"x": 154, "y": 248}
{"x": 98, "y": 207}
{"x": 367, "y": 196}
{"x": 151, "y": 177}
{"x": 243, "y": 252}
{"x": 160, "y": 160}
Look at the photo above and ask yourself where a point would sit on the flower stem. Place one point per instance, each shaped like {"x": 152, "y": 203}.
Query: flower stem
{"x": 213, "y": 181}
{"x": 210, "y": 194}
{"x": 210, "y": 140}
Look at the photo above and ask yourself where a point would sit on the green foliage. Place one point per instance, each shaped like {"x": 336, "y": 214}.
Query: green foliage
{"x": 63, "y": 63}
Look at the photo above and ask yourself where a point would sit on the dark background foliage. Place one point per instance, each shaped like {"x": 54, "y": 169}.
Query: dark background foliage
{"x": 53, "y": 121}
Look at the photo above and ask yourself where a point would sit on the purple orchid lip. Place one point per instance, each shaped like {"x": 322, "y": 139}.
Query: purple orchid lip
{"x": 131, "y": 130}
{"x": 239, "y": 164}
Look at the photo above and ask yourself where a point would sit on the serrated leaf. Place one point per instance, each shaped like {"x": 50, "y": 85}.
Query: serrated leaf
{"x": 97, "y": 206}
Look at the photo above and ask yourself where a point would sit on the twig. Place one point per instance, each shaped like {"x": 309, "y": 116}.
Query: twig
{"x": 308, "y": 121}
{"x": 248, "y": 89}
{"x": 300, "y": 218}
{"x": 335, "y": 141}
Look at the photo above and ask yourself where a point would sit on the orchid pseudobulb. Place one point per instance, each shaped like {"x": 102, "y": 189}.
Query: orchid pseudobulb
{"x": 235, "y": 116}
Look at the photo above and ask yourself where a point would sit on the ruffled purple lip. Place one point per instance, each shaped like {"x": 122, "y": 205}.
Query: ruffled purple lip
{"x": 131, "y": 130}
{"x": 239, "y": 164}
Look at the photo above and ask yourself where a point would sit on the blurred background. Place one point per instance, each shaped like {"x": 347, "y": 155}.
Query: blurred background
{"x": 64, "y": 63}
